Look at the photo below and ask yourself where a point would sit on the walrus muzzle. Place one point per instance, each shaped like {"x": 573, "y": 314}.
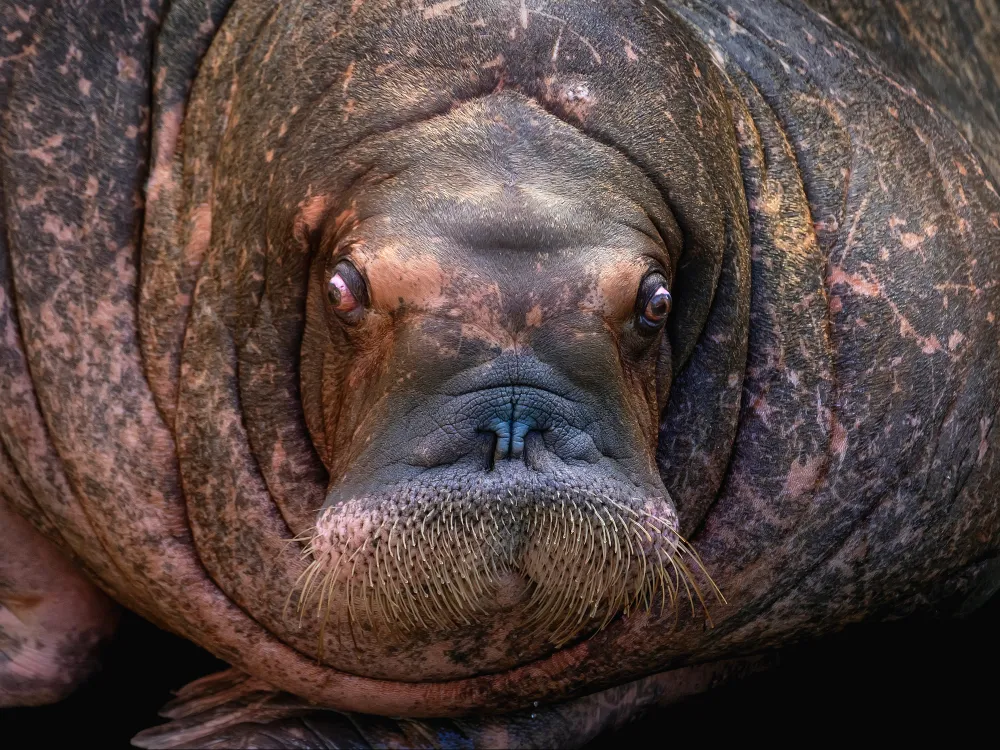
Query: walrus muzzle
{"x": 424, "y": 557}
{"x": 523, "y": 499}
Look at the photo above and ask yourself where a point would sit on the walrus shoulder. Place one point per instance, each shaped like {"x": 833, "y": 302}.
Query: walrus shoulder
{"x": 950, "y": 51}
{"x": 876, "y": 233}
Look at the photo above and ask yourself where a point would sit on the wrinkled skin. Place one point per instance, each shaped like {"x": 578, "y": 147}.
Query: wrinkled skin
{"x": 464, "y": 499}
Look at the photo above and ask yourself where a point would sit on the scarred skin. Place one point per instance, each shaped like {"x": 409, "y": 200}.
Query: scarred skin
{"x": 184, "y": 409}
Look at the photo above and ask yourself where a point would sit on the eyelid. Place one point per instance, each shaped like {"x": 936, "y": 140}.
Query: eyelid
{"x": 646, "y": 286}
{"x": 651, "y": 283}
{"x": 655, "y": 265}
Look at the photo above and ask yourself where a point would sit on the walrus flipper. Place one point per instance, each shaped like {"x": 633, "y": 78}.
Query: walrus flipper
{"x": 233, "y": 710}
{"x": 53, "y": 621}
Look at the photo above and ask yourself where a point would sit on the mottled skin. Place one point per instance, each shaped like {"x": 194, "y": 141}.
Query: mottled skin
{"x": 177, "y": 402}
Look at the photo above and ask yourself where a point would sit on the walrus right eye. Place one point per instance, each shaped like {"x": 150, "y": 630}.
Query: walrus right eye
{"x": 653, "y": 304}
{"x": 346, "y": 292}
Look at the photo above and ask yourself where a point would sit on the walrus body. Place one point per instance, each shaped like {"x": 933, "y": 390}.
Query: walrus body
{"x": 452, "y": 358}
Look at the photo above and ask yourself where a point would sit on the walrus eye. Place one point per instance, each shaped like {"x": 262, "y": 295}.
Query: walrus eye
{"x": 346, "y": 292}
{"x": 654, "y": 303}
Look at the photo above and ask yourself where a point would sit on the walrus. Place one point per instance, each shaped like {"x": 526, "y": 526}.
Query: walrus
{"x": 490, "y": 371}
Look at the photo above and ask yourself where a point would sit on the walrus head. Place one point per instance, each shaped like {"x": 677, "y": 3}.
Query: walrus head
{"x": 428, "y": 397}
{"x": 483, "y": 347}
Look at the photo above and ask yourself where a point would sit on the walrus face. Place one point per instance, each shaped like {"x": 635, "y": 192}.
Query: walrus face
{"x": 485, "y": 328}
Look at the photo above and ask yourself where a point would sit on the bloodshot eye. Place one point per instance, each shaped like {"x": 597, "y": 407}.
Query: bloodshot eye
{"x": 653, "y": 303}
{"x": 346, "y": 292}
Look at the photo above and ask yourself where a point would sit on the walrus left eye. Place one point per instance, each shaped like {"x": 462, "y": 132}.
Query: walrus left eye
{"x": 653, "y": 304}
{"x": 346, "y": 292}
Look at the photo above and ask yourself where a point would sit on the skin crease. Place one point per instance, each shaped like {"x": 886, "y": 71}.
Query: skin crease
{"x": 180, "y": 401}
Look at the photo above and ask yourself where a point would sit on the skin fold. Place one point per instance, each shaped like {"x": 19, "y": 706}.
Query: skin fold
{"x": 333, "y": 340}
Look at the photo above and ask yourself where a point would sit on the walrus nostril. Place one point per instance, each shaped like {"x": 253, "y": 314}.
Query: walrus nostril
{"x": 534, "y": 450}
{"x": 487, "y": 447}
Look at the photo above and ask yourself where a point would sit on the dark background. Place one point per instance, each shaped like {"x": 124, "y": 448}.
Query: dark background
{"x": 904, "y": 678}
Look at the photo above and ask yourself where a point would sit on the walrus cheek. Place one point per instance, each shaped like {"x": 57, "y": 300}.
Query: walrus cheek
{"x": 335, "y": 362}
{"x": 626, "y": 374}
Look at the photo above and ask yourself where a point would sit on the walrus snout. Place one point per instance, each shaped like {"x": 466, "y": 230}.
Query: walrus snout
{"x": 559, "y": 553}
{"x": 514, "y": 423}
{"x": 508, "y": 489}
{"x": 514, "y": 408}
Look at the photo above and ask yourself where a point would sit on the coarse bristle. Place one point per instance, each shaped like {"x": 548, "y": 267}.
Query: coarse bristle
{"x": 430, "y": 564}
